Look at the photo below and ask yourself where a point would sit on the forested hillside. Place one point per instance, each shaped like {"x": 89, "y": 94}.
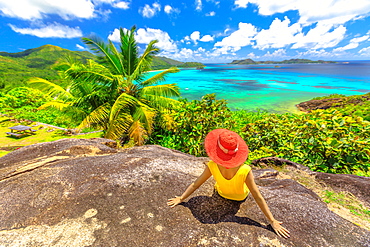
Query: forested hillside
{"x": 17, "y": 68}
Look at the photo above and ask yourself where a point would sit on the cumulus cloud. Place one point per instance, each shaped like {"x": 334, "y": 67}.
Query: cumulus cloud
{"x": 206, "y": 38}
{"x": 320, "y": 37}
{"x": 38, "y": 9}
{"x": 122, "y": 5}
{"x": 195, "y": 36}
{"x": 353, "y": 43}
{"x": 170, "y": 10}
{"x": 316, "y": 53}
{"x": 327, "y": 11}
{"x": 199, "y": 5}
{"x": 279, "y": 35}
{"x": 276, "y": 54}
{"x": 150, "y": 11}
{"x": 238, "y": 39}
{"x": 54, "y": 30}
{"x": 144, "y": 36}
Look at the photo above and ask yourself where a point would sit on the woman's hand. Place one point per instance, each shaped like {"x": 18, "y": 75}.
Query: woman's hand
{"x": 174, "y": 201}
{"x": 280, "y": 230}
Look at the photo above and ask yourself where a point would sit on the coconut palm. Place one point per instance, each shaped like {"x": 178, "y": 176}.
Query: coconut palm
{"x": 131, "y": 97}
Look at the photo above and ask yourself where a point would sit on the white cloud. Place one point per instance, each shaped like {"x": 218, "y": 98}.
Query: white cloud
{"x": 206, "y": 38}
{"x": 279, "y": 35}
{"x": 241, "y": 3}
{"x": 353, "y": 43}
{"x": 195, "y": 36}
{"x": 238, "y": 39}
{"x": 169, "y": 9}
{"x": 122, "y": 5}
{"x": 148, "y": 11}
{"x": 37, "y": 9}
{"x": 276, "y": 54}
{"x": 212, "y": 13}
{"x": 198, "y": 4}
{"x": 80, "y": 47}
{"x": 144, "y": 36}
{"x": 54, "y": 30}
{"x": 320, "y": 37}
{"x": 327, "y": 11}
{"x": 365, "y": 51}
{"x": 316, "y": 53}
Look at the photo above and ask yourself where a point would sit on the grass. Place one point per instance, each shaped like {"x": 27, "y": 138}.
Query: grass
{"x": 43, "y": 134}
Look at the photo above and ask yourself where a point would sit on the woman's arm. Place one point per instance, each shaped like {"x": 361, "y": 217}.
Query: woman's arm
{"x": 280, "y": 230}
{"x": 192, "y": 187}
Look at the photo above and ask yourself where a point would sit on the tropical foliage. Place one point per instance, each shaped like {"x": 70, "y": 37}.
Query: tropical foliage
{"x": 325, "y": 141}
{"x": 115, "y": 93}
{"x": 191, "y": 122}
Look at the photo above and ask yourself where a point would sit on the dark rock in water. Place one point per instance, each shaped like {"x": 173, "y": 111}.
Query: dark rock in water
{"x": 83, "y": 193}
{"x": 323, "y": 104}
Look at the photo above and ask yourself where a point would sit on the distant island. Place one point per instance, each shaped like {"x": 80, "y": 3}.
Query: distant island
{"x": 290, "y": 61}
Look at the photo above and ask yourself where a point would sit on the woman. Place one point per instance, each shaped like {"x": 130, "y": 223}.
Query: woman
{"x": 234, "y": 180}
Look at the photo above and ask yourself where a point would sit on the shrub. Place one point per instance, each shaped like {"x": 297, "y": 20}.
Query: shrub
{"x": 325, "y": 141}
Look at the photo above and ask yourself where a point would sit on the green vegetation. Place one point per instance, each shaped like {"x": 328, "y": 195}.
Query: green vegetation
{"x": 290, "y": 61}
{"x": 356, "y": 105}
{"x": 111, "y": 92}
{"x": 43, "y": 134}
{"x": 114, "y": 94}
{"x": 324, "y": 140}
{"x": 45, "y": 62}
{"x": 17, "y": 68}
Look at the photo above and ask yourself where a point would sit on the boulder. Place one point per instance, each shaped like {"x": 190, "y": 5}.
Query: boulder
{"x": 80, "y": 192}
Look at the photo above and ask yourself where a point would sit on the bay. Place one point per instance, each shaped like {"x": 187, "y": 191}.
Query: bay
{"x": 274, "y": 87}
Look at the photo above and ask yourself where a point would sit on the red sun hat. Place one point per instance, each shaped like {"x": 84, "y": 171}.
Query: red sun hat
{"x": 226, "y": 148}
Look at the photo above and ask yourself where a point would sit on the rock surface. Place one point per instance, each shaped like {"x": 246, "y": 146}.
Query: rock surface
{"x": 76, "y": 192}
{"x": 323, "y": 104}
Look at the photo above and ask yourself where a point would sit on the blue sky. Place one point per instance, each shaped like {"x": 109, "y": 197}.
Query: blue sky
{"x": 197, "y": 30}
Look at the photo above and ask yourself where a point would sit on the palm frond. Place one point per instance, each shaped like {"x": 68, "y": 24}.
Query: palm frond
{"x": 138, "y": 133}
{"x": 49, "y": 88}
{"x": 165, "y": 90}
{"x": 159, "y": 77}
{"x": 124, "y": 102}
{"x": 129, "y": 50}
{"x": 145, "y": 60}
{"x": 159, "y": 102}
{"x": 103, "y": 51}
{"x": 145, "y": 114}
{"x": 60, "y": 105}
{"x": 99, "y": 117}
{"x": 117, "y": 128}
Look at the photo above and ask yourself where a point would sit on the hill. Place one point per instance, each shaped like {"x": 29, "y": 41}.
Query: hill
{"x": 17, "y": 68}
{"x": 165, "y": 63}
{"x": 290, "y": 61}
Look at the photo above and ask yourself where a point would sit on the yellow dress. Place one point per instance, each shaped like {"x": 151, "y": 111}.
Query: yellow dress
{"x": 233, "y": 189}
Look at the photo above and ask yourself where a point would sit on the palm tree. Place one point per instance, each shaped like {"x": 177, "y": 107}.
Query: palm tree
{"x": 131, "y": 98}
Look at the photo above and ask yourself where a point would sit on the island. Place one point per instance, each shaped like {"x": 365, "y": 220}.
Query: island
{"x": 290, "y": 61}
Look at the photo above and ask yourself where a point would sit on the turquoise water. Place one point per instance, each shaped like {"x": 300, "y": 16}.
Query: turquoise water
{"x": 273, "y": 88}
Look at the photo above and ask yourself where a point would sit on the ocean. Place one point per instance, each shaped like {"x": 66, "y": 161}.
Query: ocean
{"x": 274, "y": 88}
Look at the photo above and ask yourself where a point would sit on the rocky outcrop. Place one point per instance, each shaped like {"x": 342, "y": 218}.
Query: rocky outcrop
{"x": 76, "y": 192}
{"x": 340, "y": 102}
